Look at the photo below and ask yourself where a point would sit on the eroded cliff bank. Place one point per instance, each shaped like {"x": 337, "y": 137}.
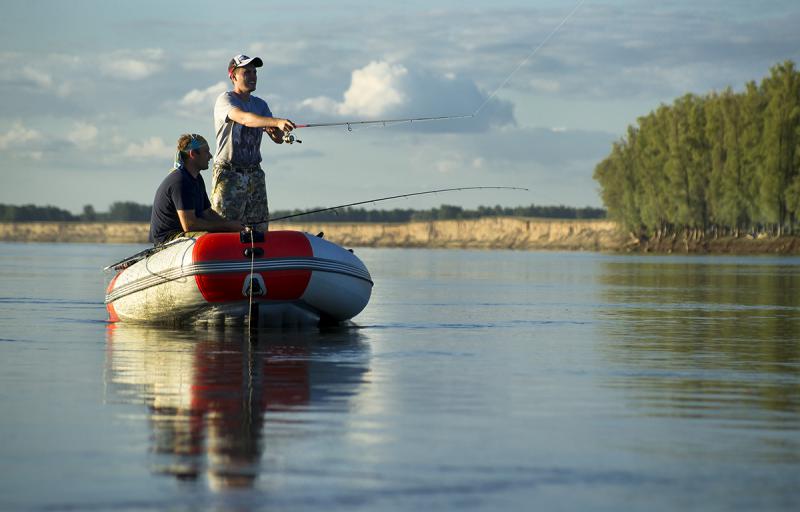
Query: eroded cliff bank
{"x": 488, "y": 233}
{"x": 722, "y": 245}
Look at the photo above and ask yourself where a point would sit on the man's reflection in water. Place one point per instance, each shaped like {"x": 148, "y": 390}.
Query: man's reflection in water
{"x": 208, "y": 392}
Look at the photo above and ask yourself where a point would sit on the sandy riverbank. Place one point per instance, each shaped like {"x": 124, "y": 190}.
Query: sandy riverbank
{"x": 489, "y": 233}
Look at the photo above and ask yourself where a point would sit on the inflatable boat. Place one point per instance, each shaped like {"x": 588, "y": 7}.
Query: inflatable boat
{"x": 273, "y": 279}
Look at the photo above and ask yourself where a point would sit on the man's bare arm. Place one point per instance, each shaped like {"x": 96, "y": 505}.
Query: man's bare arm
{"x": 256, "y": 121}
{"x": 191, "y": 222}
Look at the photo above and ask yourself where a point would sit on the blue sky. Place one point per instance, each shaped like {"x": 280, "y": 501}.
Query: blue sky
{"x": 93, "y": 95}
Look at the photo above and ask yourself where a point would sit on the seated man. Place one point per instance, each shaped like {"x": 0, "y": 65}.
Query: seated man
{"x": 181, "y": 203}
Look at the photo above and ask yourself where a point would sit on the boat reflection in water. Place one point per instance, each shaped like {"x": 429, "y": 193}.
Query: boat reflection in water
{"x": 209, "y": 393}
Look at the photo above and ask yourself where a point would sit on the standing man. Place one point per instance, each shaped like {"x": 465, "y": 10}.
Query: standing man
{"x": 239, "y": 189}
{"x": 181, "y": 204}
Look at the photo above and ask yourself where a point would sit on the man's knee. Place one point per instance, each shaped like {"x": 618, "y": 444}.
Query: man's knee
{"x": 229, "y": 195}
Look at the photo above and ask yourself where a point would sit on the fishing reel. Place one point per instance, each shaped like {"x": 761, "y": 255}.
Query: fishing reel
{"x": 289, "y": 138}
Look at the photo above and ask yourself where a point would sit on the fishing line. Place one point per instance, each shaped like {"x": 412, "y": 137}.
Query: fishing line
{"x": 528, "y": 57}
{"x": 288, "y": 138}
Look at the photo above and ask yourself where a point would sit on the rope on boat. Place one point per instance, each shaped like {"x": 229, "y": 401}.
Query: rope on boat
{"x": 250, "y": 288}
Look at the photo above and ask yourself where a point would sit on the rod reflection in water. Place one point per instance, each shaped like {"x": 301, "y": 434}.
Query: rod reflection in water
{"x": 208, "y": 393}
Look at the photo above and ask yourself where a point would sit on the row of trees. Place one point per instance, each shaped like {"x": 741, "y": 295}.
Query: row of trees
{"x": 117, "y": 212}
{"x": 445, "y": 212}
{"x": 724, "y": 163}
{"x": 128, "y": 211}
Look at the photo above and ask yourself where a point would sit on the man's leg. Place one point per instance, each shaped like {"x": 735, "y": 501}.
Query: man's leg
{"x": 229, "y": 193}
{"x": 257, "y": 208}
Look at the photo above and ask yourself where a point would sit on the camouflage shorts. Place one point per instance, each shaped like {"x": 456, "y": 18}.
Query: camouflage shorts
{"x": 240, "y": 193}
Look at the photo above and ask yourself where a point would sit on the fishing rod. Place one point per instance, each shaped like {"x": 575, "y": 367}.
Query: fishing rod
{"x": 350, "y": 124}
{"x": 130, "y": 260}
{"x": 309, "y": 212}
{"x": 290, "y": 138}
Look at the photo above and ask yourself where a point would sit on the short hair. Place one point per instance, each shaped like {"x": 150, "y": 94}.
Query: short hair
{"x": 190, "y": 141}
{"x": 232, "y": 67}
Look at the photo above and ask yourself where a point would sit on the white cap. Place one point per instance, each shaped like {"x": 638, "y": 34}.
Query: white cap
{"x": 243, "y": 60}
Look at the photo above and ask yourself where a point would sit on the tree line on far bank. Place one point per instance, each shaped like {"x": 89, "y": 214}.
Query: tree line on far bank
{"x": 726, "y": 163}
{"x": 123, "y": 211}
{"x": 134, "y": 212}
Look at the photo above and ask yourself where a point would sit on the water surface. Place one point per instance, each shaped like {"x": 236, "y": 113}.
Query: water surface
{"x": 481, "y": 380}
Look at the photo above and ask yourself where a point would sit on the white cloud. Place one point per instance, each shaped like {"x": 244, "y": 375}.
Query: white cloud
{"x": 203, "y": 97}
{"x": 447, "y": 165}
{"x": 210, "y": 60}
{"x": 544, "y": 85}
{"x": 22, "y": 143}
{"x": 321, "y": 104}
{"x": 45, "y": 81}
{"x": 447, "y": 161}
{"x": 129, "y": 65}
{"x": 83, "y": 134}
{"x": 131, "y": 69}
{"x": 40, "y": 78}
{"x": 375, "y": 90}
{"x": 381, "y": 89}
{"x": 18, "y": 137}
{"x": 289, "y": 52}
{"x": 152, "y": 147}
{"x": 198, "y": 103}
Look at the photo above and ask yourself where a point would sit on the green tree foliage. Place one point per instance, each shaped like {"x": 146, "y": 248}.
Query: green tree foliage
{"x": 651, "y": 151}
{"x": 444, "y": 212}
{"x": 128, "y": 211}
{"x": 781, "y": 118}
{"x": 134, "y": 212}
{"x": 88, "y": 215}
{"x": 722, "y": 163}
{"x": 118, "y": 212}
{"x": 29, "y": 212}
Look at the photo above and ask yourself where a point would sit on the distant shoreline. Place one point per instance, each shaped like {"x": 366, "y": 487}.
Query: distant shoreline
{"x": 486, "y": 233}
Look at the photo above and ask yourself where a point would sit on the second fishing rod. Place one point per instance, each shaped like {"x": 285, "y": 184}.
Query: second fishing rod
{"x": 377, "y": 200}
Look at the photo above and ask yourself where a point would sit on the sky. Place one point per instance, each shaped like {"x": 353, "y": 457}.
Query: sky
{"x": 94, "y": 94}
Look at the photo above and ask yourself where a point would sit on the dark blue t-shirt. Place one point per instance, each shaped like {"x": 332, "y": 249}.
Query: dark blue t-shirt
{"x": 178, "y": 191}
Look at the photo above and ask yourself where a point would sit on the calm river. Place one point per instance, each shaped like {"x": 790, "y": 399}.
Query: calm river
{"x": 474, "y": 380}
